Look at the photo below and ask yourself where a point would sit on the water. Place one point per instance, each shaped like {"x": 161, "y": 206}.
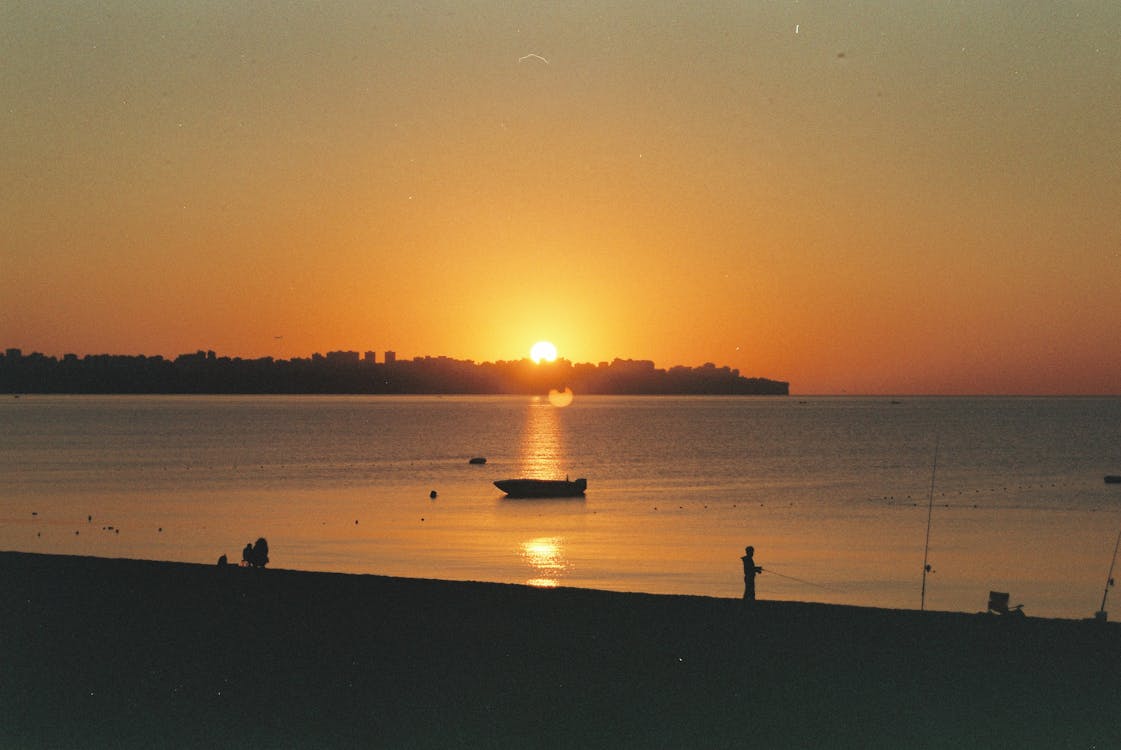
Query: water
{"x": 830, "y": 491}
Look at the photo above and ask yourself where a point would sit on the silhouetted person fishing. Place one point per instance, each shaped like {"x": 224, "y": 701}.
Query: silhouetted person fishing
{"x": 750, "y": 570}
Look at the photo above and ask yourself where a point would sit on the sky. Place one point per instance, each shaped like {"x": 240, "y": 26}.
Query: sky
{"x": 859, "y": 198}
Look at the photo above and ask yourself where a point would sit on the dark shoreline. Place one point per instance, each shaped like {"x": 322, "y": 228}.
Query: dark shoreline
{"x": 125, "y": 653}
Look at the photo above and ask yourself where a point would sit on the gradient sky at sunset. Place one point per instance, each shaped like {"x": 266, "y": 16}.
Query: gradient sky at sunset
{"x": 867, "y": 197}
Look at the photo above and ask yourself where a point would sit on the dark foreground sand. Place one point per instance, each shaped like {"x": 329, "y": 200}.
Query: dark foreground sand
{"x": 119, "y": 653}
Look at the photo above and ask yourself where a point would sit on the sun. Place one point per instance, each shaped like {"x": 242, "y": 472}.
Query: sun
{"x": 543, "y": 350}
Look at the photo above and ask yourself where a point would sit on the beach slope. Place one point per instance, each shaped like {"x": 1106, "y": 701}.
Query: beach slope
{"x": 124, "y": 653}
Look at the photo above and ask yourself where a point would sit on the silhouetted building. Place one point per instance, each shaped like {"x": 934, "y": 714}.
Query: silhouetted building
{"x": 341, "y": 358}
{"x": 390, "y": 357}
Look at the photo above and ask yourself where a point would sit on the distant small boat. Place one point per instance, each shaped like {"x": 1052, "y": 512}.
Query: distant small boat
{"x": 477, "y": 460}
{"x": 542, "y": 487}
{"x": 1113, "y": 478}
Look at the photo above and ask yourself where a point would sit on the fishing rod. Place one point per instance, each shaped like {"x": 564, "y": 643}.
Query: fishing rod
{"x": 929, "y": 513}
{"x": 792, "y": 578}
{"x": 1109, "y": 577}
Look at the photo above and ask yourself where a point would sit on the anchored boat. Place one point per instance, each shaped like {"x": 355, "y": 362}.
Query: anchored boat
{"x": 542, "y": 487}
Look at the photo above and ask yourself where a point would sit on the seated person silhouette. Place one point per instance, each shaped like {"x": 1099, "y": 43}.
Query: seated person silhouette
{"x": 260, "y": 553}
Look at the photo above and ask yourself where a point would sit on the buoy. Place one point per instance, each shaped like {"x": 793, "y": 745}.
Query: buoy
{"x": 432, "y": 494}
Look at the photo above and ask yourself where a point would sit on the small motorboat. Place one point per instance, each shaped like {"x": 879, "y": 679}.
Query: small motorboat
{"x": 1113, "y": 478}
{"x": 477, "y": 460}
{"x": 542, "y": 487}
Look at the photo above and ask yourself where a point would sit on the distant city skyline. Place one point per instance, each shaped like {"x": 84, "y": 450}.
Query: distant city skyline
{"x": 343, "y": 372}
{"x": 860, "y": 198}
{"x": 385, "y": 356}
{"x": 344, "y": 354}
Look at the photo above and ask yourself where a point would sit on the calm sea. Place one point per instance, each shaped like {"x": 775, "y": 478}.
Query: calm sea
{"x": 832, "y": 492}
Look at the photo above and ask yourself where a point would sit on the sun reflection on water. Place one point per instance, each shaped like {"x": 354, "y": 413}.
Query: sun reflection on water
{"x": 560, "y": 399}
{"x": 545, "y": 556}
{"x": 542, "y": 450}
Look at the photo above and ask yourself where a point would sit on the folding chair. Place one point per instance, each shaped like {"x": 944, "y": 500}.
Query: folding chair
{"x": 998, "y": 604}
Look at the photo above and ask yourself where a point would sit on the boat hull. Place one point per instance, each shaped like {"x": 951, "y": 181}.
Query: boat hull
{"x": 542, "y": 487}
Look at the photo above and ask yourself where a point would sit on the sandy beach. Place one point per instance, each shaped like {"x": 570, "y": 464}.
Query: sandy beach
{"x": 124, "y": 653}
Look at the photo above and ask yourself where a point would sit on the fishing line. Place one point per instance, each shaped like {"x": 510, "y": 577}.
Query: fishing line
{"x": 1109, "y": 576}
{"x": 792, "y": 578}
{"x": 929, "y": 513}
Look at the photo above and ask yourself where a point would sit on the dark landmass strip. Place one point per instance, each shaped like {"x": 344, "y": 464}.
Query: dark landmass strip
{"x": 347, "y": 372}
{"x": 130, "y": 654}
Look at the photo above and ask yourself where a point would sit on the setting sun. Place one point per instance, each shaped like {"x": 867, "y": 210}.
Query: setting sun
{"x": 543, "y": 350}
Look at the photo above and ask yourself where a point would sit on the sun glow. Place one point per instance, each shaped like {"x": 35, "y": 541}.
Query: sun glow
{"x": 543, "y": 350}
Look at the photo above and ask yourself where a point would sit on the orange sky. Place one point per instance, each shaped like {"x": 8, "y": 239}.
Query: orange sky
{"x": 875, "y": 198}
